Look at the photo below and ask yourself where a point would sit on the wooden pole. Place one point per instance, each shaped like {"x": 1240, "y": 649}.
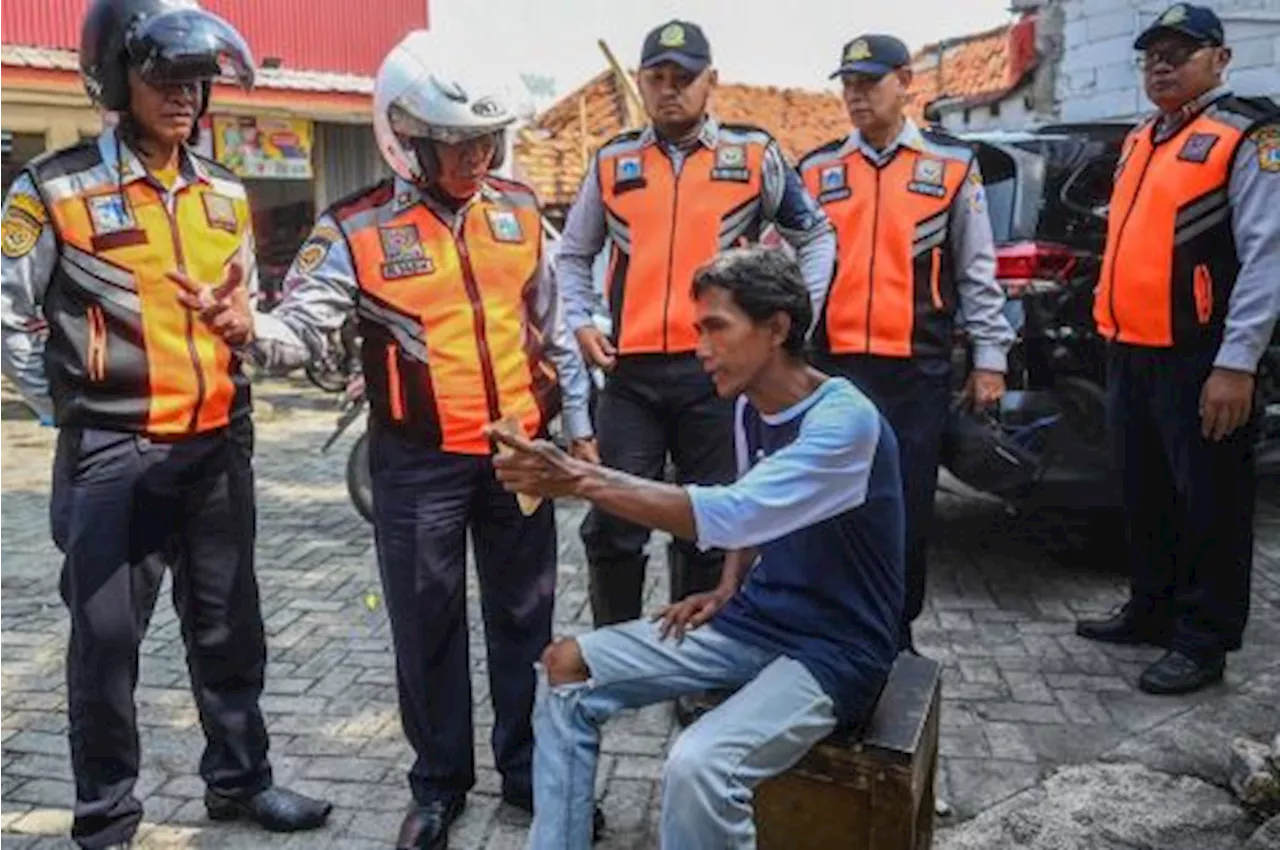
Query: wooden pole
{"x": 631, "y": 96}
{"x": 582, "y": 131}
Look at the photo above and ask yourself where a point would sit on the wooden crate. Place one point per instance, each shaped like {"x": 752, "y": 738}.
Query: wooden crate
{"x": 869, "y": 792}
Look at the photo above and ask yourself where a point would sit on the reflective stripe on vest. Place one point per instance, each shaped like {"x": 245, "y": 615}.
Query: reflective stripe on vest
{"x": 894, "y": 292}
{"x": 1170, "y": 260}
{"x": 122, "y": 347}
{"x": 447, "y": 343}
{"x": 664, "y": 226}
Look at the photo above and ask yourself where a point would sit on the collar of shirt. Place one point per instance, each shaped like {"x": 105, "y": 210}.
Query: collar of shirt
{"x": 909, "y": 137}
{"x": 122, "y": 161}
{"x": 1169, "y": 123}
{"x": 708, "y": 135}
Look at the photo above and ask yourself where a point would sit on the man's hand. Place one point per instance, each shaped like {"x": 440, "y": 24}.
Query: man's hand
{"x": 984, "y": 388}
{"x": 224, "y": 308}
{"x": 691, "y": 612}
{"x": 535, "y": 468}
{"x": 1226, "y": 400}
{"x": 597, "y": 348}
{"x": 586, "y": 450}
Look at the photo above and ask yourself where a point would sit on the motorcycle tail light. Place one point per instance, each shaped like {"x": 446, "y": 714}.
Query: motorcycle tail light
{"x": 1031, "y": 268}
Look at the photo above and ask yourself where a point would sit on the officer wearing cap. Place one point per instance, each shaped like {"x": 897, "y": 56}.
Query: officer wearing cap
{"x": 661, "y": 201}
{"x": 915, "y": 246}
{"x": 114, "y": 243}
{"x": 1188, "y": 300}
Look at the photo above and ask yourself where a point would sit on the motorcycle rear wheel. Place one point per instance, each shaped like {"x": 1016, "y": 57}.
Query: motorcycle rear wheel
{"x": 360, "y": 478}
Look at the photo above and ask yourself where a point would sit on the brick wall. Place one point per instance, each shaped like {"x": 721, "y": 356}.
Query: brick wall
{"x": 1097, "y": 78}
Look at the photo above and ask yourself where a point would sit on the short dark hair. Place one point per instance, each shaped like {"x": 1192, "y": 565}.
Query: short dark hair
{"x": 763, "y": 282}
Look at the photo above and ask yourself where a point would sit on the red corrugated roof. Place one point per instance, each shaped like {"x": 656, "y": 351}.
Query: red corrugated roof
{"x": 313, "y": 35}
{"x": 973, "y": 67}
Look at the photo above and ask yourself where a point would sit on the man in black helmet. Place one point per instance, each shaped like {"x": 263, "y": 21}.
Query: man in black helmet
{"x": 118, "y": 243}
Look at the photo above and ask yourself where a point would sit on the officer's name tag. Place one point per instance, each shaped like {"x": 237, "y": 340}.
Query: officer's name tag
{"x": 628, "y": 173}
{"x": 402, "y": 253}
{"x": 113, "y": 223}
{"x": 927, "y": 178}
{"x": 833, "y": 184}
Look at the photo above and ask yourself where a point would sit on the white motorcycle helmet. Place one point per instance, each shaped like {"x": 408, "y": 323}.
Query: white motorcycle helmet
{"x": 415, "y": 105}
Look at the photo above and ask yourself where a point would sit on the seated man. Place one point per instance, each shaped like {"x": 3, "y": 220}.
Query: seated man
{"x": 805, "y": 620}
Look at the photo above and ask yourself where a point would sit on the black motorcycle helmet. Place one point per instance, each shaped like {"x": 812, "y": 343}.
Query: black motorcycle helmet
{"x": 165, "y": 41}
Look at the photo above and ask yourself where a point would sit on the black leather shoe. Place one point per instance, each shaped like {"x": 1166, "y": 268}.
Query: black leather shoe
{"x": 426, "y": 827}
{"x": 1124, "y": 627}
{"x": 1176, "y": 673}
{"x": 275, "y": 809}
{"x": 524, "y": 802}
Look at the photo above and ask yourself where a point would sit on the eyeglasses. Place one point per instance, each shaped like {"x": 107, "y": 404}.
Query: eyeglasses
{"x": 1174, "y": 55}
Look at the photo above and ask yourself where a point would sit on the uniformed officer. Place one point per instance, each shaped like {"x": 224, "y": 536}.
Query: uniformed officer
{"x": 915, "y": 245}
{"x": 665, "y": 200}
{"x": 154, "y": 442}
{"x": 446, "y": 270}
{"x": 1188, "y": 300}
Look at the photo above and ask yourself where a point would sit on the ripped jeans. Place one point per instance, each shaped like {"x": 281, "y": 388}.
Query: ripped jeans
{"x": 762, "y": 730}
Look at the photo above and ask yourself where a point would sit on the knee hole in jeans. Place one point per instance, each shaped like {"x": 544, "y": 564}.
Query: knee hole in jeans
{"x": 564, "y": 664}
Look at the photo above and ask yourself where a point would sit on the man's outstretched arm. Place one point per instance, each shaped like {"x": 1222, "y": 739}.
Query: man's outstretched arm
{"x": 824, "y": 472}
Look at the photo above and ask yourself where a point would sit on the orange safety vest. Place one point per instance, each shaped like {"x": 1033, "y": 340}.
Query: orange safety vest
{"x": 447, "y": 341}
{"x": 123, "y": 353}
{"x": 1170, "y": 261}
{"x": 894, "y": 292}
{"x": 664, "y": 225}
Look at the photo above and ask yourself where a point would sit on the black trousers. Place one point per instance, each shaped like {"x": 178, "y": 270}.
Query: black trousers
{"x": 122, "y": 506}
{"x": 424, "y": 504}
{"x": 653, "y": 406}
{"x": 1189, "y": 502}
{"x": 915, "y": 396}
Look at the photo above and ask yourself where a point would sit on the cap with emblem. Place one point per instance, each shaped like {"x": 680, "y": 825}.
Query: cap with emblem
{"x": 676, "y": 41}
{"x": 1198, "y": 23}
{"x": 876, "y": 55}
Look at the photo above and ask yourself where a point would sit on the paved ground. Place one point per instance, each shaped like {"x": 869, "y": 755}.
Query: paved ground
{"x": 1023, "y": 694}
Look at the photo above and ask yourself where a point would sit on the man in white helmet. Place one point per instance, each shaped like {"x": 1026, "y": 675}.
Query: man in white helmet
{"x": 446, "y": 269}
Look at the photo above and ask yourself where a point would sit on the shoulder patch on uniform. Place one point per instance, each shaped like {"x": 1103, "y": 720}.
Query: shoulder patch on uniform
{"x": 1267, "y": 140}
{"x": 24, "y": 219}
{"x": 314, "y": 251}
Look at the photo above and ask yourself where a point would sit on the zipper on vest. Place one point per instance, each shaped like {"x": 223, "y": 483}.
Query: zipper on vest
{"x": 671, "y": 250}
{"x": 871, "y": 263}
{"x": 1133, "y": 199}
{"x": 477, "y": 319}
{"x": 190, "y": 330}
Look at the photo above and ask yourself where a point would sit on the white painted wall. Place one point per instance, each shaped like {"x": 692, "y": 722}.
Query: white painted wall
{"x": 1014, "y": 115}
{"x": 1097, "y": 78}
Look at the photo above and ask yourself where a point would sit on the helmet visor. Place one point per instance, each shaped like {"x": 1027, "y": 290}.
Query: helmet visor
{"x": 189, "y": 46}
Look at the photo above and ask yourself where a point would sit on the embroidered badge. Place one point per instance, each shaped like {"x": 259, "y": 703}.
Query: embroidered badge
{"x": 671, "y": 36}
{"x": 1268, "y": 141}
{"x": 504, "y": 225}
{"x": 926, "y": 179}
{"x": 220, "y": 212}
{"x": 833, "y": 183}
{"x": 627, "y": 169}
{"x": 731, "y": 164}
{"x": 110, "y": 214}
{"x": 24, "y": 219}
{"x": 316, "y": 248}
{"x": 402, "y": 253}
{"x": 1197, "y": 147}
{"x": 858, "y": 51}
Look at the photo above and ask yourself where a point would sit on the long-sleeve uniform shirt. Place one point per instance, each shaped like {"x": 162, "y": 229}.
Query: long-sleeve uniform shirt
{"x": 784, "y": 203}
{"x": 323, "y": 288}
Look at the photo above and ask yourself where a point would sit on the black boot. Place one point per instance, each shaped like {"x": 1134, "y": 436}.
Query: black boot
{"x": 1125, "y": 627}
{"x": 276, "y": 809}
{"x": 1176, "y": 673}
{"x": 426, "y": 827}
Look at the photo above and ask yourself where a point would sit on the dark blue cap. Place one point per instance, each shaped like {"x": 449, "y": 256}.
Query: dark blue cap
{"x": 873, "y": 54}
{"x": 1198, "y": 23}
{"x": 676, "y": 41}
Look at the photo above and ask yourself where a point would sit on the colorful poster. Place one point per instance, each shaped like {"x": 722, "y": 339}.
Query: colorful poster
{"x": 264, "y": 148}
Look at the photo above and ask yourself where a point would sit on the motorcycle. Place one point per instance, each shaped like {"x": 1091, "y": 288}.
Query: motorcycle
{"x": 358, "y": 474}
